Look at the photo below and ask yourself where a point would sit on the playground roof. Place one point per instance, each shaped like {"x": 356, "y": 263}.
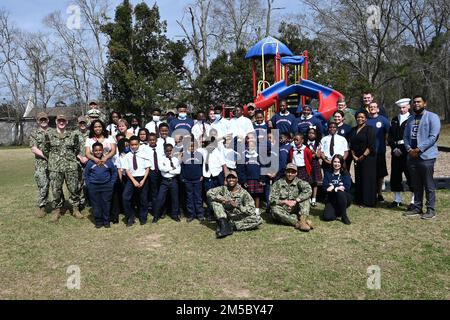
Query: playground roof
{"x": 270, "y": 48}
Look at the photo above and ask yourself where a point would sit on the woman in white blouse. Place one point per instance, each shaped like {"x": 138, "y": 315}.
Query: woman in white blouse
{"x": 98, "y": 133}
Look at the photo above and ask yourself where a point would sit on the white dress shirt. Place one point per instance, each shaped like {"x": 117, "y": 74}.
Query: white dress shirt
{"x": 299, "y": 156}
{"x": 197, "y": 130}
{"x": 152, "y": 125}
{"x": 142, "y": 163}
{"x": 340, "y": 145}
{"x": 216, "y": 161}
{"x": 222, "y": 127}
{"x": 241, "y": 126}
{"x": 160, "y": 144}
{"x": 135, "y": 132}
{"x": 166, "y": 169}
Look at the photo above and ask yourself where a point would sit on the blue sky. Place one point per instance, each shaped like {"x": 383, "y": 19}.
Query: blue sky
{"x": 28, "y": 14}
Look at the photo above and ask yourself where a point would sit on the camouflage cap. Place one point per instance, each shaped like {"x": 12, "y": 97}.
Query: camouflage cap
{"x": 82, "y": 119}
{"x": 291, "y": 166}
{"x": 41, "y": 115}
{"x": 232, "y": 173}
{"x": 61, "y": 116}
{"x": 93, "y": 113}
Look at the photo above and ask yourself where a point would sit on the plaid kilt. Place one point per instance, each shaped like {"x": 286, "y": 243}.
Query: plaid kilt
{"x": 303, "y": 174}
{"x": 254, "y": 187}
{"x": 316, "y": 172}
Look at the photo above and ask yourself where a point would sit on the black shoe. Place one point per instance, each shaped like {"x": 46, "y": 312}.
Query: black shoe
{"x": 107, "y": 225}
{"x": 130, "y": 223}
{"x": 163, "y": 216}
{"x": 142, "y": 223}
{"x": 115, "y": 221}
{"x": 380, "y": 198}
{"x": 176, "y": 218}
{"x": 202, "y": 218}
{"x": 155, "y": 219}
{"x": 395, "y": 204}
{"x": 410, "y": 207}
{"x": 345, "y": 219}
{"x": 224, "y": 228}
{"x": 98, "y": 226}
{"x": 430, "y": 214}
{"x": 413, "y": 213}
{"x": 190, "y": 219}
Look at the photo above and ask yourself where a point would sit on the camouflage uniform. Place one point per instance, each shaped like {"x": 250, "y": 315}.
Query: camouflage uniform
{"x": 298, "y": 190}
{"x": 243, "y": 217}
{"x": 63, "y": 166}
{"x": 41, "y": 175}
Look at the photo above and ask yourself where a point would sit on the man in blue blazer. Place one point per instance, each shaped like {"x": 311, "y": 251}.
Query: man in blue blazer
{"x": 420, "y": 137}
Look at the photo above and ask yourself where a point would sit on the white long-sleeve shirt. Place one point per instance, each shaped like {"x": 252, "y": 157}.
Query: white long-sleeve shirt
{"x": 166, "y": 169}
{"x": 241, "y": 126}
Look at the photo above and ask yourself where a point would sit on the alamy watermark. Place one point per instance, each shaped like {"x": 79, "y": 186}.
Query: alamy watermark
{"x": 374, "y": 278}
{"x": 73, "y": 21}
{"x": 74, "y": 279}
{"x": 374, "y": 19}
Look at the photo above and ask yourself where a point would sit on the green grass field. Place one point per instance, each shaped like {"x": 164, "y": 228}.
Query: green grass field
{"x": 184, "y": 261}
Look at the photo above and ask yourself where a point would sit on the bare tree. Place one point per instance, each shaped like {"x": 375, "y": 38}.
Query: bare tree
{"x": 198, "y": 33}
{"x": 40, "y": 71}
{"x": 11, "y": 68}
{"x": 235, "y": 22}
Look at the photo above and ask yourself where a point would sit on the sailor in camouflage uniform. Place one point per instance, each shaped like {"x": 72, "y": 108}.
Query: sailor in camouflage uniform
{"x": 95, "y": 113}
{"x": 83, "y": 134}
{"x": 289, "y": 199}
{"x": 233, "y": 207}
{"x": 37, "y": 143}
{"x": 63, "y": 147}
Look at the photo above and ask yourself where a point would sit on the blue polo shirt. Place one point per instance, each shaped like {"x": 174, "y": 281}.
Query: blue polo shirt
{"x": 381, "y": 126}
{"x": 344, "y": 131}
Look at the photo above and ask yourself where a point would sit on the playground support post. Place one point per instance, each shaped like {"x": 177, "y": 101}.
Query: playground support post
{"x": 305, "y": 72}
{"x": 254, "y": 78}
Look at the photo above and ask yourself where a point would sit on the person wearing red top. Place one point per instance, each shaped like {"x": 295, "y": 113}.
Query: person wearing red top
{"x": 301, "y": 156}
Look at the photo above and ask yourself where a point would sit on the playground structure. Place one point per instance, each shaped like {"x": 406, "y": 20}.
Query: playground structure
{"x": 267, "y": 96}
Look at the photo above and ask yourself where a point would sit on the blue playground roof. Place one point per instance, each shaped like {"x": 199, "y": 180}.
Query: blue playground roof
{"x": 270, "y": 48}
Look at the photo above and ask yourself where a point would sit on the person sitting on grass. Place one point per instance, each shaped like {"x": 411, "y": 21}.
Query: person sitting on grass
{"x": 233, "y": 207}
{"x": 337, "y": 185}
{"x": 289, "y": 200}
{"x": 100, "y": 180}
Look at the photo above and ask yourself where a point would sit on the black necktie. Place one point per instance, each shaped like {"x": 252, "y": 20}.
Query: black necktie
{"x": 204, "y": 131}
{"x": 171, "y": 163}
{"x": 207, "y": 161}
{"x": 192, "y": 158}
{"x": 135, "y": 166}
{"x": 332, "y": 146}
{"x": 155, "y": 159}
{"x": 156, "y": 129}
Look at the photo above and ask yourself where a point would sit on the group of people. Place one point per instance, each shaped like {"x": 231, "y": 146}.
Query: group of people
{"x": 223, "y": 169}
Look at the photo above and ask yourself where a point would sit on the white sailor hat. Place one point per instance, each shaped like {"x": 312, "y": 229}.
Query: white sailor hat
{"x": 402, "y": 102}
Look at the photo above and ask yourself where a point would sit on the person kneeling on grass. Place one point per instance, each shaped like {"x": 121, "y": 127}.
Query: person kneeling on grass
{"x": 289, "y": 200}
{"x": 337, "y": 185}
{"x": 100, "y": 180}
{"x": 233, "y": 207}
